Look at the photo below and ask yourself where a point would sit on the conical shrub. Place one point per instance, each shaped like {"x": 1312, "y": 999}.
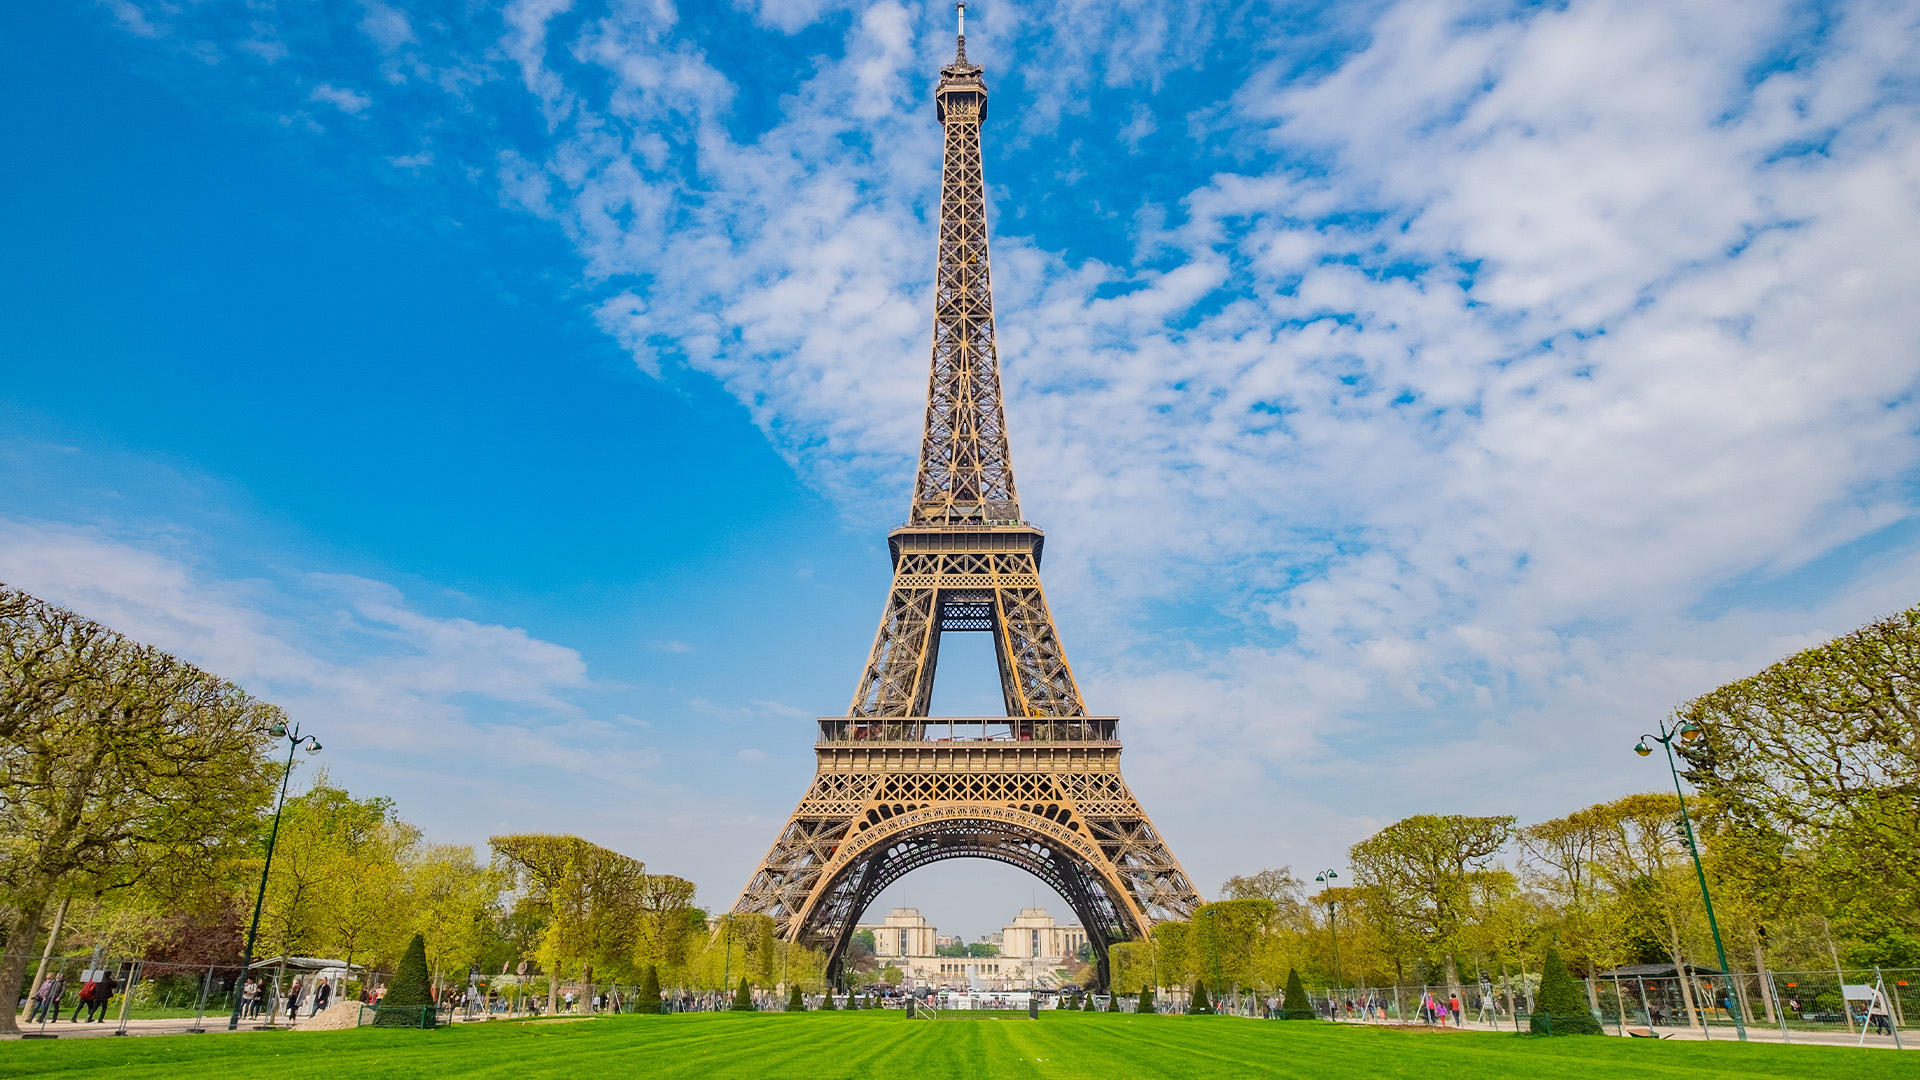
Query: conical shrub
{"x": 795, "y": 1001}
{"x": 1146, "y": 1000}
{"x": 1561, "y": 1009}
{"x": 648, "y": 1000}
{"x": 742, "y": 998}
{"x": 1199, "y": 1002}
{"x": 1298, "y": 1005}
{"x": 409, "y": 1000}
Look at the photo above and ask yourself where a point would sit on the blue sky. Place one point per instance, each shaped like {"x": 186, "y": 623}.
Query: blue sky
{"x": 1421, "y": 397}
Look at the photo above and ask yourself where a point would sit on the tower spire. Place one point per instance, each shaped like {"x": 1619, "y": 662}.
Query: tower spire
{"x": 966, "y": 473}
{"x": 960, "y": 54}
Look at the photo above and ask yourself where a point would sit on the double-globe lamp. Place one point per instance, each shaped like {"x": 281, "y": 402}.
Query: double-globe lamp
{"x": 278, "y": 730}
{"x": 1690, "y": 733}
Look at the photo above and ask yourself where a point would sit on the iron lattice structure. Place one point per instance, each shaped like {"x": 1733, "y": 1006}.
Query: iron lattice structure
{"x": 1039, "y": 789}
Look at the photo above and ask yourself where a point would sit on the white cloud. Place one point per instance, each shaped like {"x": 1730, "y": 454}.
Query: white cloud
{"x": 344, "y": 654}
{"x": 347, "y": 101}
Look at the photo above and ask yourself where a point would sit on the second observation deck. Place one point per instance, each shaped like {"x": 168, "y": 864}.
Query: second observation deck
{"x": 939, "y": 730}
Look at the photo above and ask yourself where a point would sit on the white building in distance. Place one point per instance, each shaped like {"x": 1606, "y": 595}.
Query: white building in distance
{"x": 1033, "y": 951}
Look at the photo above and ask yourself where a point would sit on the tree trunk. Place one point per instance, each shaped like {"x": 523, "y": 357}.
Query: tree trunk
{"x": 1694, "y": 1019}
{"x": 1766, "y": 988}
{"x": 13, "y": 967}
{"x": 1506, "y": 984}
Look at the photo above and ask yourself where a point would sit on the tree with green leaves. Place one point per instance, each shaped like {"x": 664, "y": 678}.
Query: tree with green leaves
{"x": 796, "y": 1001}
{"x": 1226, "y": 938}
{"x": 1198, "y": 1004}
{"x": 1145, "y": 1004}
{"x": 742, "y": 998}
{"x": 648, "y": 1000}
{"x": 121, "y": 768}
{"x": 594, "y": 899}
{"x": 826, "y": 1000}
{"x": 1421, "y": 870}
{"x": 1297, "y": 1005}
{"x": 1561, "y": 1009}
{"x": 409, "y": 996}
{"x": 1172, "y": 953}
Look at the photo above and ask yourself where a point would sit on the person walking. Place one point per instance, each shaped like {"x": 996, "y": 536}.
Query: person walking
{"x": 40, "y": 1000}
{"x": 1877, "y": 1014}
{"x": 56, "y": 995}
{"x": 102, "y": 997}
{"x": 1454, "y": 1007}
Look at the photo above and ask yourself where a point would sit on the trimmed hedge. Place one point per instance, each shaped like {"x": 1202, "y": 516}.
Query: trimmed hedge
{"x": 409, "y": 992}
{"x": 1561, "y": 1009}
{"x": 1297, "y": 1006}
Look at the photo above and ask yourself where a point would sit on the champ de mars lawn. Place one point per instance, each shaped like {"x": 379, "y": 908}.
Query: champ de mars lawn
{"x": 958, "y": 1046}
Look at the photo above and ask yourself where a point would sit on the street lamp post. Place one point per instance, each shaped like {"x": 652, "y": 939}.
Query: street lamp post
{"x": 278, "y": 729}
{"x": 1692, "y": 732}
{"x": 1326, "y": 878}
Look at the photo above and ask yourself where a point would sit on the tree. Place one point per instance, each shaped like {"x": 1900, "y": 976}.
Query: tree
{"x": 1199, "y": 1003}
{"x": 1226, "y": 940}
{"x": 1145, "y": 1004}
{"x": 1277, "y": 886}
{"x": 742, "y": 998}
{"x": 120, "y": 767}
{"x": 409, "y": 1000}
{"x": 665, "y": 931}
{"x": 453, "y": 901}
{"x": 593, "y": 896}
{"x": 796, "y": 1002}
{"x": 1173, "y": 953}
{"x": 648, "y": 1000}
{"x": 1813, "y": 767}
{"x": 1420, "y": 868}
{"x": 1561, "y": 1009}
{"x": 826, "y": 1001}
{"x": 1297, "y": 1005}
{"x": 330, "y": 855}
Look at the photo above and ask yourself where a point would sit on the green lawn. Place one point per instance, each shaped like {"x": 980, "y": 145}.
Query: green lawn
{"x": 961, "y": 1046}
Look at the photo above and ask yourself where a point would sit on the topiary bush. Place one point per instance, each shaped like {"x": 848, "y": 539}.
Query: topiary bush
{"x": 1561, "y": 1009}
{"x": 409, "y": 1000}
{"x": 796, "y": 1002}
{"x": 742, "y": 998}
{"x": 648, "y": 1000}
{"x": 826, "y": 1001}
{"x": 1297, "y": 1006}
{"x": 1146, "y": 1000}
{"x": 1199, "y": 1004}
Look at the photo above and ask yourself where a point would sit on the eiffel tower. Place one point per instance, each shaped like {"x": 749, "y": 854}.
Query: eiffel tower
{"x": 896, "y": 789}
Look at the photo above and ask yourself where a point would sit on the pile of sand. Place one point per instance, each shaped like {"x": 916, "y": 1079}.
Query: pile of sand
{"x": 338, "y": 1016}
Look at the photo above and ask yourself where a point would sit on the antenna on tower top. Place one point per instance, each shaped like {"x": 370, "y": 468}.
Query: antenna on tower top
{"x": 962, "y": 9}
{"x": 960, "y": 55}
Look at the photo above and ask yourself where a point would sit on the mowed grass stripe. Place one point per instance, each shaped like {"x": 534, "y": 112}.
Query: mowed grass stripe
{"x": 887, "y": 1046}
